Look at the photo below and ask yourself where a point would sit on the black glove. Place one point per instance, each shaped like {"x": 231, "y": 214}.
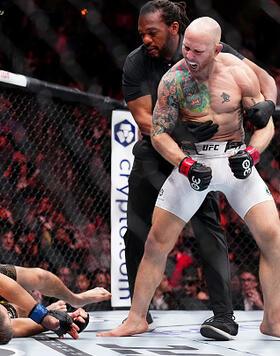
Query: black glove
{"x": 81, "y": 325}
{"x": 65, "y": 321}
{"x": 242, "y": 162}
{"x": 198, "y": 174}
{"x": 260, "y": 113}
{"x": 201, "y": 131}
{"x": 39, "y": 312}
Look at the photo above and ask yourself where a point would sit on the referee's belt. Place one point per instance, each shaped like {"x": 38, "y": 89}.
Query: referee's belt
{"x": 211, "y": 148}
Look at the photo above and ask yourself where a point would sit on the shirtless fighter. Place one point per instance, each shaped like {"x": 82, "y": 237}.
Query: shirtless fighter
{"x": 208, "y": 85}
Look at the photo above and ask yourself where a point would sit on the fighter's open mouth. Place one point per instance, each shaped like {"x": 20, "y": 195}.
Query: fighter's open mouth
{"x": 192, "y": 65}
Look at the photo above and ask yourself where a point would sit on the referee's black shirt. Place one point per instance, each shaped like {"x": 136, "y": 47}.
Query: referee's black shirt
{"x": 142, "y": 72}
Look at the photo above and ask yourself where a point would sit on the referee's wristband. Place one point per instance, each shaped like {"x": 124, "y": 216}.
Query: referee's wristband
{"x": 38, "y": 313}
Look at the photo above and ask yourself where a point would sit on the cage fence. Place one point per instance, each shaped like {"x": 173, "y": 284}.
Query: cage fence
{"x": 55, "y": 190}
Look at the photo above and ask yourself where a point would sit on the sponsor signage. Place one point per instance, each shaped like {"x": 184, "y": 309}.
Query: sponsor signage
{"x": 124, "y": 136}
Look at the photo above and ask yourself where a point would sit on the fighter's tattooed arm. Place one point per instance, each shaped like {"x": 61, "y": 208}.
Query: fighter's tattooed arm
{"x": 166, "y": 112}
{"x": 165, "y": 116}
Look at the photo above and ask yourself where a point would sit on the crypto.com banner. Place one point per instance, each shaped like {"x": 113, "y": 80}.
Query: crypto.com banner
{"x": 124, "y": 136}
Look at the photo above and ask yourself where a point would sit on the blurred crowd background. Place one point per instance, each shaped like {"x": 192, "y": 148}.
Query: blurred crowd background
{"x": 55, "y": 155}
{"x": 83, "y": 43}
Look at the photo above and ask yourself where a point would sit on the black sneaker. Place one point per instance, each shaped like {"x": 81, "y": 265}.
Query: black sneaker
{"x": 220, "y": 327}
{"x": 151, "y": 324}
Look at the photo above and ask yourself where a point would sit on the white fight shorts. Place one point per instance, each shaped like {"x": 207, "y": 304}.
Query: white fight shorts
{"x": 178, "y": 197}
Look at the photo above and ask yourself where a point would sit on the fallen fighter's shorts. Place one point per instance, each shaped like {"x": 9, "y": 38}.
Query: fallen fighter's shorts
{"x": 9, "y": 271}
{"x": 11, "y": 310}
{"x": 178, "y": 197}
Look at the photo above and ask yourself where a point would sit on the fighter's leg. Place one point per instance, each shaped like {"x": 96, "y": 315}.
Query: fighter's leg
{"x": 263, "y": 221}
{"x": 161, "y": 239}
{"x": 50, "y": 285}
{"x": 213, "y": 250}
{"x": 9, "y": 271}
{"x": 146, "y": 178}
{"x": 44, "y": 281}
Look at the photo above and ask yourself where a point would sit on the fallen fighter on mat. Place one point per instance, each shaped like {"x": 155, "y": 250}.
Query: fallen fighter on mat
{"x": 36, "y": 318}
{"x": 50, "y": 285}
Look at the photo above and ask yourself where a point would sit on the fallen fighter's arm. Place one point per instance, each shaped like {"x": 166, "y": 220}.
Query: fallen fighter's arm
{"x": 15, "y": 294}
{"x": 50, "y": 285}
{"x": 23, "y": 327}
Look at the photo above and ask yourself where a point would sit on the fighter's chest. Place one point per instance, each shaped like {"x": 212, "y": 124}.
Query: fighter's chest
{"x": 218, "y": 95}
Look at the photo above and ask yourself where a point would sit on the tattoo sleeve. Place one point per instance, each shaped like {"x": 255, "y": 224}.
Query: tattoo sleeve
{"x": 166, "y": 111}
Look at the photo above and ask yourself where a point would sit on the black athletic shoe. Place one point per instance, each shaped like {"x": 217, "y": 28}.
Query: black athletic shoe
{"x": 151, "y": 324}
{"x": 220, "y": 327}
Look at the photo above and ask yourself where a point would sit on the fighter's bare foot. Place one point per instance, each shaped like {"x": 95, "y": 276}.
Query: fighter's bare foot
{"x": 128, "y": 328}
{"x": 269, "y": 330}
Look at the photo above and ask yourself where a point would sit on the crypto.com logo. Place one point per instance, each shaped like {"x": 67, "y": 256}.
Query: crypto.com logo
{"x": 124, "y": 133}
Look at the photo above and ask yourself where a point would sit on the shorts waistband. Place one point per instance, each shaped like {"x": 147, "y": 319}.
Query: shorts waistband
{"x": 212, "y": 148}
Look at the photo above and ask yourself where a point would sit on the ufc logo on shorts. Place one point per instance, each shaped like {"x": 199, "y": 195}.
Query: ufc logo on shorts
{"x": 210, "y": 147}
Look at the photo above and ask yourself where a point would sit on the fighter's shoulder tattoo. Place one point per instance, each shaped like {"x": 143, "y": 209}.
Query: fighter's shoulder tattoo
{"x": 168, "y": 89}
{"x": 166, "y": 110}
{"x": 193, "y": 95}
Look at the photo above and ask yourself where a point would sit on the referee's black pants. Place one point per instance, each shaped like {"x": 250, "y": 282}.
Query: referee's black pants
{"x": 148, "y": 174}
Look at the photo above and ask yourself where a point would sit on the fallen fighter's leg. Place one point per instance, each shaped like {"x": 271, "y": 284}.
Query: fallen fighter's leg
{"x": 50, "y": 285}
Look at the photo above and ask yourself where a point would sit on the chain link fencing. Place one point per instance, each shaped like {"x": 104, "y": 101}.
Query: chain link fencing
{"x": 55, "y": 182}
{"x": 55, "y": 153}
